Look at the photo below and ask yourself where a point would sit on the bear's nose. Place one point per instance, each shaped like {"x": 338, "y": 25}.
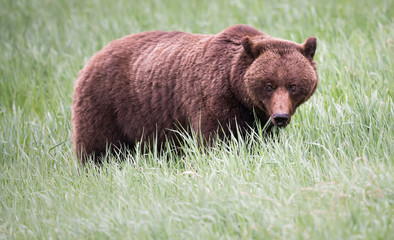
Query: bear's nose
{"x": 281, "y": 119}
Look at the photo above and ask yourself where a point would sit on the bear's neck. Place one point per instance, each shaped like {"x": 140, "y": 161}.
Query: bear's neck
{"x": 238, "y": 86}
{"x": 229, "y": 63}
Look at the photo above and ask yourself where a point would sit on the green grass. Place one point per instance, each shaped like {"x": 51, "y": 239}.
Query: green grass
{"x": 328, "y": 175}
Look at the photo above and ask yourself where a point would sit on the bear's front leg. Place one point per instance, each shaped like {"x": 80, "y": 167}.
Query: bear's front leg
{"x": 206, "y": 128}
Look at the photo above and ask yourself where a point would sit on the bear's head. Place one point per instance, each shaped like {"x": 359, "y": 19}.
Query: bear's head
{"x": 281, "y": 76}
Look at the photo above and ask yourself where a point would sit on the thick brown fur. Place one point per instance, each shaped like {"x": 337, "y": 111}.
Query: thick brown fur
{"x": 139, "y": 87}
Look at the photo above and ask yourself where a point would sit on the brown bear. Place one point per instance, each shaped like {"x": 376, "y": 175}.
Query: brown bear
{"x": 143, "y": 85}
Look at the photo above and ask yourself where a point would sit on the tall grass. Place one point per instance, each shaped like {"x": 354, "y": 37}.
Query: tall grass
{"x": 328, "y": 175}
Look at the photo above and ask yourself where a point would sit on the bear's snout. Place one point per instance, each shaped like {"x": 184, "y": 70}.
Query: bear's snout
{"x": 281, "y": 108}
{"x": 280, "y": 119}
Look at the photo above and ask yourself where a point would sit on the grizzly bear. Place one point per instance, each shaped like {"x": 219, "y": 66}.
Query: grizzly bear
{"x": 142, "y": 86}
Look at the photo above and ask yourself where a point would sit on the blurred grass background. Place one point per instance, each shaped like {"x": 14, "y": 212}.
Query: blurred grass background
{"x": 328, "y": 175}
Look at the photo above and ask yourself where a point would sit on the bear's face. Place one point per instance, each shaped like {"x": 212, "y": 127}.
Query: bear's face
{"x": 281, "y": 77}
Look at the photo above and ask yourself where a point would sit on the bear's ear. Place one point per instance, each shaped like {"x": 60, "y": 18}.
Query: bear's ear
{"x": 309, "y": 47}
{"x": 248, "y": 46}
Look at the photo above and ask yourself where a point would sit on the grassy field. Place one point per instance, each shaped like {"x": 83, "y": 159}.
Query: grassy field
{"x": 328, "y": 175}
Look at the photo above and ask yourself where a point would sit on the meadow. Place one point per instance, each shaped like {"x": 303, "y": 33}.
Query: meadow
{"x": 328, "y": 175}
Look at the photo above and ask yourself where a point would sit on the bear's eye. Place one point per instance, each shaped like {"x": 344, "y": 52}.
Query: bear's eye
{"x": 293, "y": 88}
{"x": 269, "y": 87}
